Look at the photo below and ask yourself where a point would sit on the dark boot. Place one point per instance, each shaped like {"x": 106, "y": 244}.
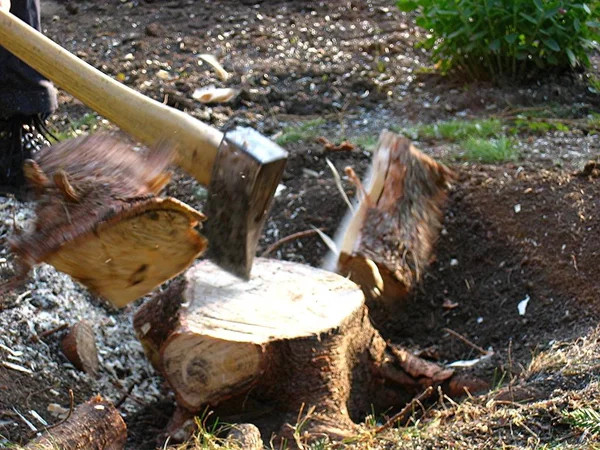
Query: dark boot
{"x": 20, "y": 138}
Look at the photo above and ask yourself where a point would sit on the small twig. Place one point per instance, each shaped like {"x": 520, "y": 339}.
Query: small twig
{"x": 131, "y": 396}
{"x": 466, "y": 341}
{"x": 396, "y": 417}
{"x": 515, "y": 111}
{"x": 351, "y": 174}
{"x": 47, "y": 333}
{"x": 338, "y": 183}
{"x": 125, "y": 396}
{"x": 71, "y": 408}
{"x": 292, "y": 237}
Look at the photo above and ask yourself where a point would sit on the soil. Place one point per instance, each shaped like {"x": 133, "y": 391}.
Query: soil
{"x": 512, "y": 231}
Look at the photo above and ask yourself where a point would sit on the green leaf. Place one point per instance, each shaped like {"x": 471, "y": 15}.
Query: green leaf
{"x": 478, "y": 35}
{"x": 571, "y": 56}
{"x": 495, "y": 45}
{"x": 511, "y": 38}
{"x": 593, "y": 24}
{"x": 521, "y": 56}
{"x": 552, "y": 44}
{"x": 551, "y": 12}
{"x": 538, "y": 5}
{"x": 456, "y": 33}
{"x": 529, "y": 18}
{"x": 576, "y": 25}
{"x": 586, "y": 8}
{"x": 407, "y": 5}
{"x": 443, "y": 12}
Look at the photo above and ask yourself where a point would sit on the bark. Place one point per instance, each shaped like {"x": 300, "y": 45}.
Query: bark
{"x": 295, "y": 337}
{"x": 387, "y": 242}
{"x": 98, "y": 218}
{"x": 95, "y": 425}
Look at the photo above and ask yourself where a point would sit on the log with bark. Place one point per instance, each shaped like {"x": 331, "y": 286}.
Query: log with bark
{"x": 94, "y": 425}
{"x": 386, "y": 242}
{"x": 99, "y": 220}
{"x": 293, "y": 336}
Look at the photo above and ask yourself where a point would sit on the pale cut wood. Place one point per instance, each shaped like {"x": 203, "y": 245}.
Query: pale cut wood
{"x": 386, "y": 243}
{"x": 94, "y": 425}
{"x": 143, "y": 118}
{"x": 130, "y": 255}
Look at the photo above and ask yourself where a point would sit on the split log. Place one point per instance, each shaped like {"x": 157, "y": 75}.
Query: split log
{"x": 293, "y": 336}
{"x": 386, "y": 243}
{"x": 98, "y": 218}
{"x": 94, "y": 425}
{"x": 79, "y": 346}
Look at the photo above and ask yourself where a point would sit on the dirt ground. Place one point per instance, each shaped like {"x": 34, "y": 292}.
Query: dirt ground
{"x": 525, "y": 229}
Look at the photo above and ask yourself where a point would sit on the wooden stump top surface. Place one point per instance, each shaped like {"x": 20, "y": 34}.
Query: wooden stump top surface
{"x": 281, "y": 300}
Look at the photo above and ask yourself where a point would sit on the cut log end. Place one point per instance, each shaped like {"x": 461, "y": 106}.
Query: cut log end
{"x": 79, "y": 346}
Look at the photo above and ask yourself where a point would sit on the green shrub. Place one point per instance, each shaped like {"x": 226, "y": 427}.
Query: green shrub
{"x": 507, "y": 38}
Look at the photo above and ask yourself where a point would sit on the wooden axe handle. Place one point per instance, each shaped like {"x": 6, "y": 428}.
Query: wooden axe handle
{"x": 143, "y": 118}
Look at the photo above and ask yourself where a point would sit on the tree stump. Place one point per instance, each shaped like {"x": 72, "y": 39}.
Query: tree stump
{"x": 98, "y": 218}
{"x": 94, "y": 425}
{"x": 294, "y": 336}
{"x": 386, "y": 243}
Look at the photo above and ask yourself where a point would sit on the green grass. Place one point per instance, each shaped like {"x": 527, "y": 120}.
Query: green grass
{"x": 489, "y": 151}
{"x": 87, "y": 123}
{"x": 586, "y": 419}
{"x": 366, "y": 142}
{"x": 455, "y": 130}
{"x": 537, "y": 127}
{"x": 300, "y": 132}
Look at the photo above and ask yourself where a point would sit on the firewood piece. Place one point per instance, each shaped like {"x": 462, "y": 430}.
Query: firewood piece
{"x": 94, "y": 425}
{"x": 296, "y": 337}
{"x": 387, "y": 242}
{"x": 100, "y": 221}
{"x": 293, "y": 334}
{"x": 245, "y": 436}
{"x": 79, "y": 346}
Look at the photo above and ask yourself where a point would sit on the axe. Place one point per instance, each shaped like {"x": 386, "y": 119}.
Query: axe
{"x": 241, "y": 168}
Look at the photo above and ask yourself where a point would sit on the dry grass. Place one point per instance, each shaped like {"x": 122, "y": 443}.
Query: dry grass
{"x": 553, "y": 404}
{"x": 534, "y": 411}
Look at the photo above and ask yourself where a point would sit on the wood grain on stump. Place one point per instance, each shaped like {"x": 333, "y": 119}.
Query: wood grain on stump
{"x": 295, "y": 337}
{"x": 294, "y": 334}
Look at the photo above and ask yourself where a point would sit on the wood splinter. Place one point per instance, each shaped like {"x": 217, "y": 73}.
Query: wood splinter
{"x": 386, "y": 242}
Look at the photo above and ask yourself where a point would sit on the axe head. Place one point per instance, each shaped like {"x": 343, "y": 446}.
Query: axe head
{"x": 245, "y": 175}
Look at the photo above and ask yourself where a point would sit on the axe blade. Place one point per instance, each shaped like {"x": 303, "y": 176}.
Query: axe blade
{"x": 245, "y": 176}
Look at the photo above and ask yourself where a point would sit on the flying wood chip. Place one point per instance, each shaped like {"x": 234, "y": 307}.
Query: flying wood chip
{"x": 99, "y": 220}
